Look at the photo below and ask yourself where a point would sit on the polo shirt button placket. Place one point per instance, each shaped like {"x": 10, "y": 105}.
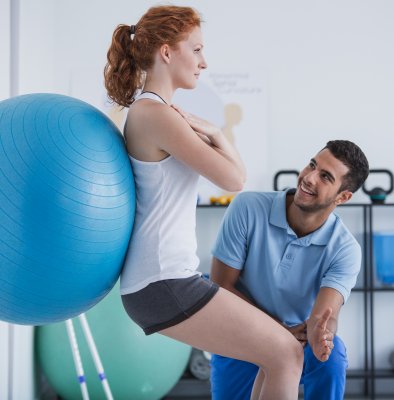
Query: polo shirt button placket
{"x": 287, "y": 259}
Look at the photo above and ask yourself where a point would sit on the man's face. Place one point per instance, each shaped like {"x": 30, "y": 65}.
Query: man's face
{"x": 319, "y": 183}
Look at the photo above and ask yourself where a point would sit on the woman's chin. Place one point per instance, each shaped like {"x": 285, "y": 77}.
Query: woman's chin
{"x": 189, "y": 85}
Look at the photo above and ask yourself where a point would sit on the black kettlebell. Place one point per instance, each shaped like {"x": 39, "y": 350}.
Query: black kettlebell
{"x": 284, "y": 172}
{"x": 378, "y": 195}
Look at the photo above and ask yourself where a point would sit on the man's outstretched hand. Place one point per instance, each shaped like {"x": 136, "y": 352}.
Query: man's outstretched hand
{"x": 319, "y": 337}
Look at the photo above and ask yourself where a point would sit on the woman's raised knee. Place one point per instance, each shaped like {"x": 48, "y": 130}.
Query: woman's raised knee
{"x": 291, "y": 357}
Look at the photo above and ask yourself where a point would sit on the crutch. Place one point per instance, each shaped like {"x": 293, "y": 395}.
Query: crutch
{"x": 77, "y": 359}
{"x": 95, "y": 355}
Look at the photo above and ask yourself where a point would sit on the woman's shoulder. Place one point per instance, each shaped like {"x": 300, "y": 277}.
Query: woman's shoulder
{"x": 157, "y": 128}
{"x": 153, "y": 114}
{"x": 143, "y": 108}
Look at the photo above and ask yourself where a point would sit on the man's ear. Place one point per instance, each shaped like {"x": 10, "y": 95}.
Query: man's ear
{"x": 343, "y": 197}
{"x": 165, "y": 53}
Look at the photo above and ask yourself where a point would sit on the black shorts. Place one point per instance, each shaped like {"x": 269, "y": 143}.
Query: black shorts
{"x": 168, "y": 302}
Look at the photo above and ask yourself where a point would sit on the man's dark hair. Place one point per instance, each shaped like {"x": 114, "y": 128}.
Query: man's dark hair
{"x": 353, "y": 157}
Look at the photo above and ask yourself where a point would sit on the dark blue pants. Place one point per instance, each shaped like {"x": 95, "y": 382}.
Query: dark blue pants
{"x": 233, "y": 379}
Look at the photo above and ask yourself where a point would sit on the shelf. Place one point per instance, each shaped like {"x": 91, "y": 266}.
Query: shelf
{"x": 187, "y": 386}
{"x": 374, "y": 289}
{"x": 378, "y": 373}
{"x": 369, "y": 287}
{"x": 341, "y": 205}
{"x": 383, "y": 289}
{"x": 356, "y": 373}
{"x": 384, "y": 373}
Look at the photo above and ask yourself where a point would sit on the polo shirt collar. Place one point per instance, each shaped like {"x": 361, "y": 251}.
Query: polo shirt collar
{"x": 278, "y": 218}
{"x": 278, "y": 210}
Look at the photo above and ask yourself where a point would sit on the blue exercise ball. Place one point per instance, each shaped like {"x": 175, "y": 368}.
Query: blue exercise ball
{"x": 67, "y": 203}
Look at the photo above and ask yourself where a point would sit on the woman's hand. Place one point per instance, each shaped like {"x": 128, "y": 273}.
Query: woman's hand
{"x": 231, "y": 166}
{"x": 202, "y": 127}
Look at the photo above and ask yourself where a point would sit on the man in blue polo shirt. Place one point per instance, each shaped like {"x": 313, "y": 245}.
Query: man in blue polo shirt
{"x": 291, "y": 256}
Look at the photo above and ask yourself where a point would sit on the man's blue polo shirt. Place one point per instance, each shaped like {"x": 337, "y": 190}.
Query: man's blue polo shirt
{"x": 281, "y": 272}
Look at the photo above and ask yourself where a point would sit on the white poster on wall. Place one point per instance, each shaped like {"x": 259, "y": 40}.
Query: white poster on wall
{"x": 235, "y": 100}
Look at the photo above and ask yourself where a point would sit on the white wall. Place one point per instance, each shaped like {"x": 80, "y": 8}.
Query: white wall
{"x": 16, "y": 362}
{"x": 322, "y": 70}
{"x": 37, "y": 50}
{"x": 325, "y": 68}
{"x": 4, "y": 360}
{"x": 16, "y": 342}
{"x": 5, "y": 23}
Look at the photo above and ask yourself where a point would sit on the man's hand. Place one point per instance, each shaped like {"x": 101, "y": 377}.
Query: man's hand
{"x": 320, "y": 338}
{"x": 299, "y": 332}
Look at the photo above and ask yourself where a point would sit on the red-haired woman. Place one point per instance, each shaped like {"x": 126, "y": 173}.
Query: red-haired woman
{"x": 169, "y": 148}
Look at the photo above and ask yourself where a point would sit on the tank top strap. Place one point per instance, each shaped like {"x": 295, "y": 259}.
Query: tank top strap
{"x": 151, "y": 96}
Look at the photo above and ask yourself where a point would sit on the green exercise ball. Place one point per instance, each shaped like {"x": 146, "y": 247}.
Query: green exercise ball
{"x": 136, "y": 366}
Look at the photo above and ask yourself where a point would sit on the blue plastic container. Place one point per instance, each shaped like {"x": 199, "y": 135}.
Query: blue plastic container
{"x": 383, "y": 243}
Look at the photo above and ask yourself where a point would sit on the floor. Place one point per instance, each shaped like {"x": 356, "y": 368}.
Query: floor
{"x": 208, "y": 398}
{"x": 201, "y": 392}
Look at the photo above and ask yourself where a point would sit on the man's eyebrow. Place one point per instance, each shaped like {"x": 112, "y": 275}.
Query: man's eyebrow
{"x": 328, "y": 173}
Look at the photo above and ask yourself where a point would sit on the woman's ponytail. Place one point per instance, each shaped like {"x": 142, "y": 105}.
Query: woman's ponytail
{"x": 121, "y": 74}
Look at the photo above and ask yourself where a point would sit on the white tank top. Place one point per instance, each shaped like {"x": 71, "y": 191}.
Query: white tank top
{"x": 163, "y": 242}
